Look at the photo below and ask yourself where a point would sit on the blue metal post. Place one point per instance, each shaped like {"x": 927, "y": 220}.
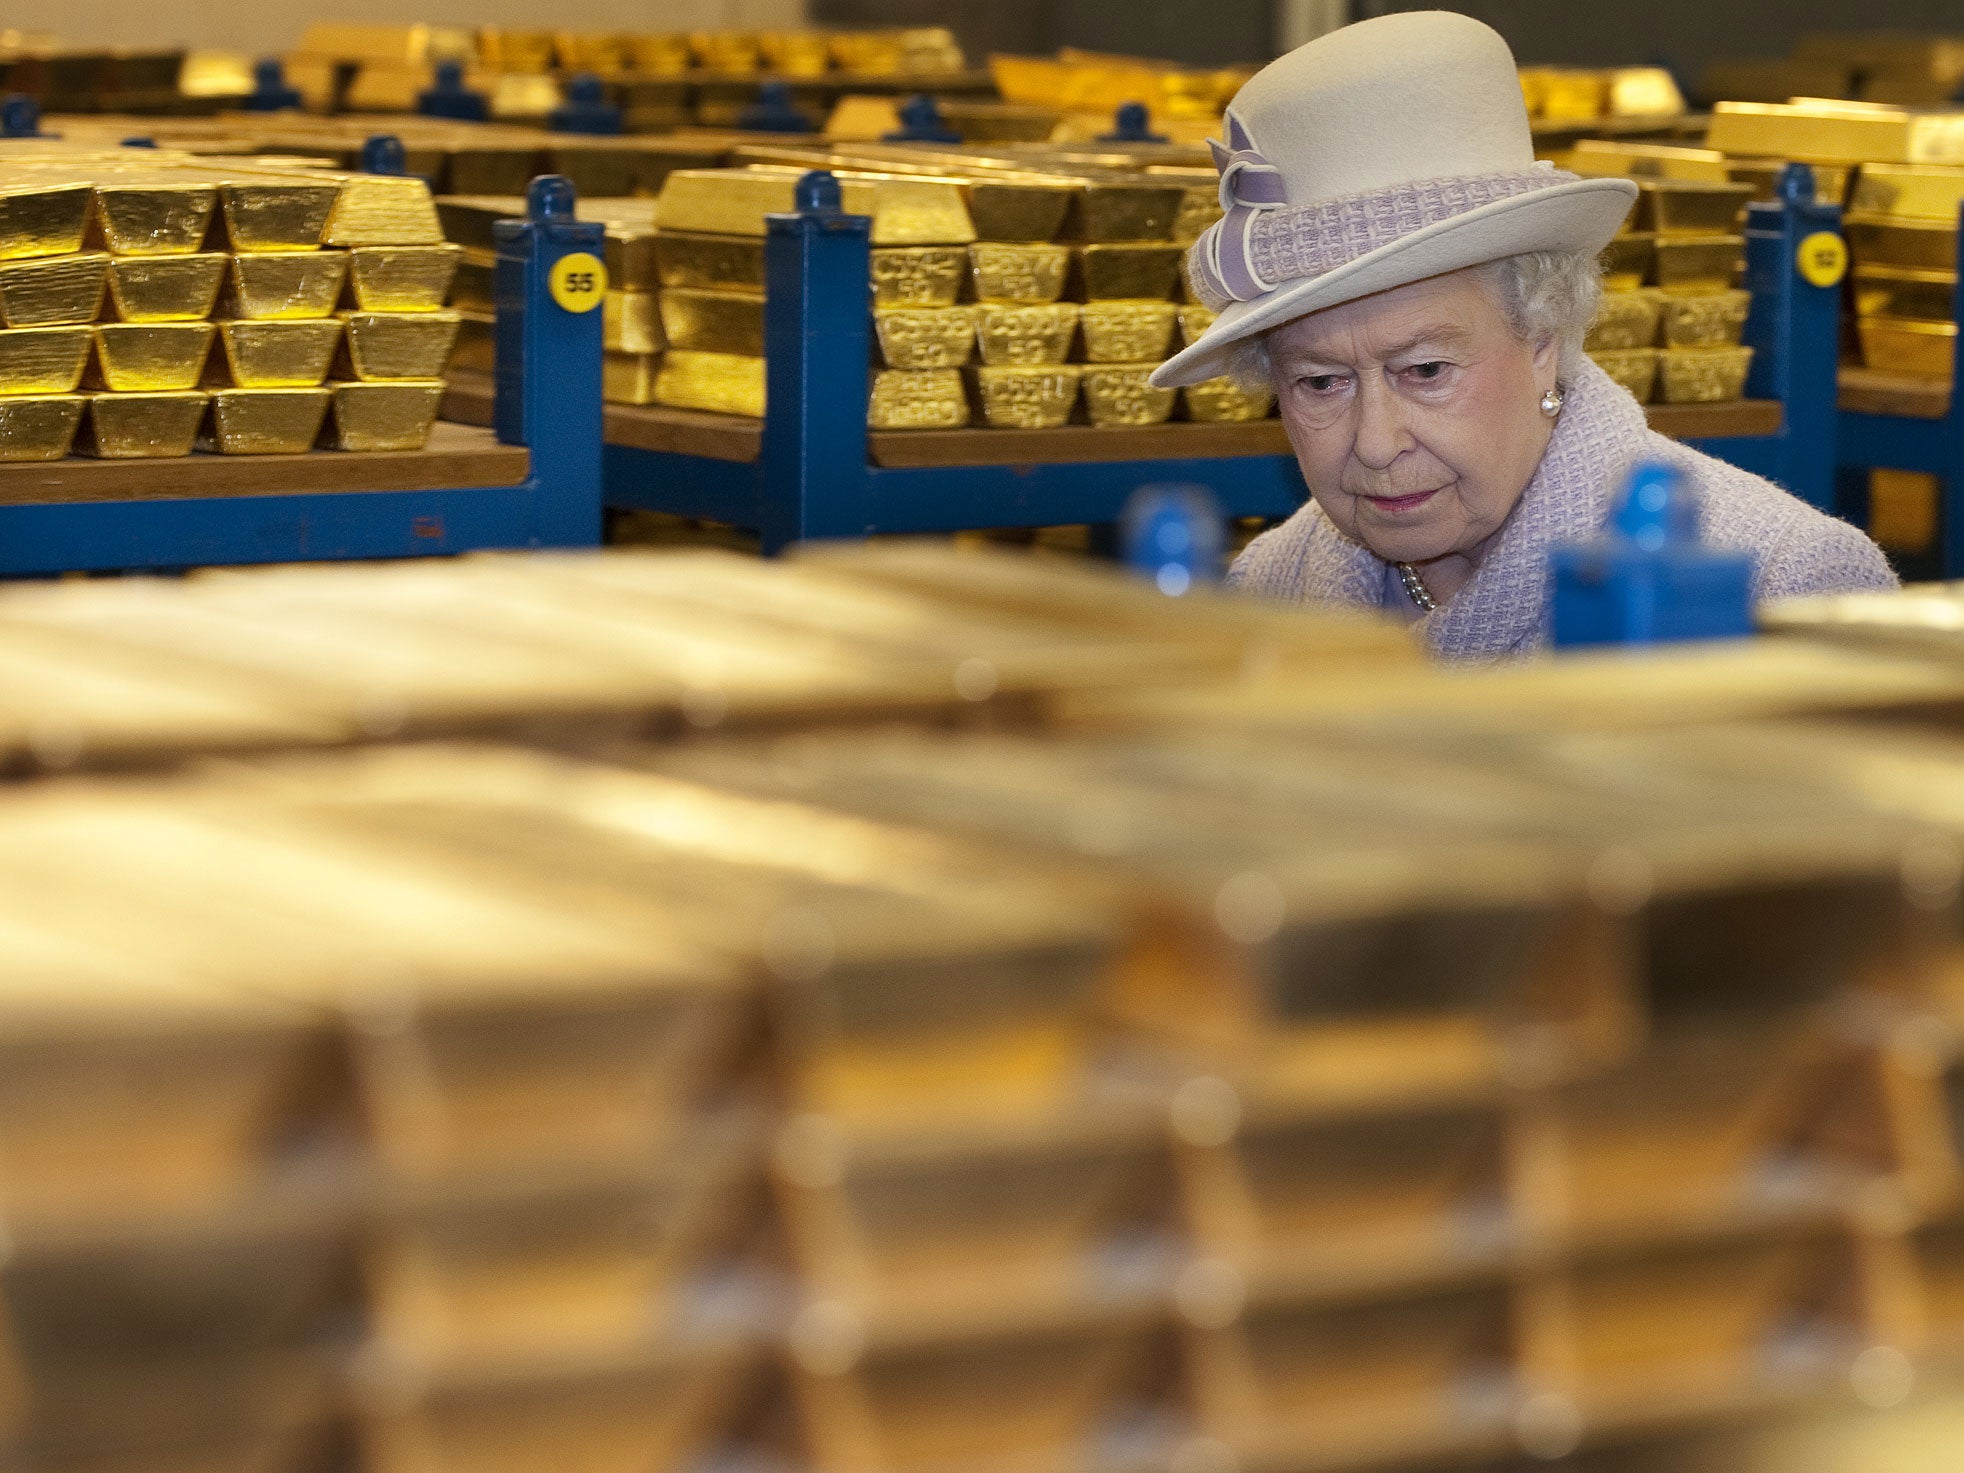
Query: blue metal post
{"x": 20, "y": 117}
{"x": 382, "y": 154}
{"x": 1132, "y": 123}
{"x": 269, "y": 94}
{"x": 774, "y": 112}
{"x": 921, "y": 122}
{"x": 450, "y": 98}
{"x": 547, "y": 393}
{"x": 586, "y": 109}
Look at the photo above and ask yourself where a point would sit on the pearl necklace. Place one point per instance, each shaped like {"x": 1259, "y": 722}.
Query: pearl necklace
{"x": 1415, "y": 588}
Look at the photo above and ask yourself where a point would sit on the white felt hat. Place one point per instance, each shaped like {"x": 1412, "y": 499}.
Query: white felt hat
{"x": 1378, "y": 155}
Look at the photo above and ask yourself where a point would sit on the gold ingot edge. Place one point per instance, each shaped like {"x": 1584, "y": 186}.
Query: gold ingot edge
{"x": 280, "y": 354}
{"x": 283, "y": 421}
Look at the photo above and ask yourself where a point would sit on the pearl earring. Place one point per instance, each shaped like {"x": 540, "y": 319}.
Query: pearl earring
{"x": 1551, "y": 402}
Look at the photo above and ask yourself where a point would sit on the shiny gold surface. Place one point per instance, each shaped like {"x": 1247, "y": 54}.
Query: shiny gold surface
{"x": 1626, "y": 319}
{"x": 276, "y": 215}
{"x": 1026, "y": 398}
{"x": 722, "y": 383}
{"x": 1831, "y": 181}
{"x": 279, "y": 285}
{"x": 39, "y": 426}
{"x": 166, "y": 288}
{"x": 1129, "y": 209}
{"x": 267, "y": 421}
{"x": 385, "y": 416}
{"x": 1705, "y": 319}
{"x": 148, "y": 217}
{"x": 1912, "y": 191}
{"x": 1008, "y": 334}
{"x": 917, "y": 399}
{"x": 1015, "y": 209}
{"x": 1899, "y": 345}
{"x": 629, "y": 378}
{"x": 722, "y": 262}
{"x": 141, "y": 426}
{"x": 632, "y": 323}
{"x": 1017, "y": 273}
{"x": 917, "y": 339}
{"x": 382, "y": 210}
{"x": 713, "y": 322}
{"x": 281, "y": 354}
{"x": 918, "y": 276}
{"x": 42, "y": 219}
{"x": 1106, "y": 272}
{"x": 1905, "y": 291}
{"x": 1627, "y": 262}
{"x": 1686, "y": 207}
{"x": 1600, "y": 158}
{"x": 1634, "y": 368}
{"x": 1836, "y": 133}
{"x": 904, "y": 211}
{"x": 1222, "y": 401}
{"x": 1702, "y": 375}
{"x": 1194, "y": 320}
{"x": 1127, "y": 332}
{"x": 1699, "y": 263}
{"x": 400, "y": 344}
{"x": 1877, "y": 241}
{"x": 1119, "y": 394}
{"x": 391, "y": 278}
{"x": 151, "y": 357}
{"x": 51, "y": 291}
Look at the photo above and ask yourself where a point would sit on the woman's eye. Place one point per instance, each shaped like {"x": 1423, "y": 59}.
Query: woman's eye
{"x": 1324, "y": 383}
{"x": 1426, "y": 372}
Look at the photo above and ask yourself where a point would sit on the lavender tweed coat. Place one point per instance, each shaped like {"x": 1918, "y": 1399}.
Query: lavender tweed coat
{"x": 1502, "y": 610}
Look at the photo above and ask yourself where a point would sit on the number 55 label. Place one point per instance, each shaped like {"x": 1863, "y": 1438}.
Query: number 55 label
{"x": 578, "y": 282}
{"x": 1823, "y": 258}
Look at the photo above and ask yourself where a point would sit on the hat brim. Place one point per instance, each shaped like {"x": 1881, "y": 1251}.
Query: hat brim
{"x": 1583, "y": 215}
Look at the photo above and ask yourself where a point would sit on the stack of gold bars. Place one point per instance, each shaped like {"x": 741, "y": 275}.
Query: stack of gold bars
{"x": 1566, "y": 96}
{"x": 1877, "y": 66}
{"x": 1672, "y": 311}
{"x": 1242, "y": 1047}
{"x": 154, "y": 300}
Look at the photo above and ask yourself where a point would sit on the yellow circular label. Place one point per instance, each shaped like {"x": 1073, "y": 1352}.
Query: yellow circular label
{"x": 1823, "y": 258}
{"x": 578, "y": 282}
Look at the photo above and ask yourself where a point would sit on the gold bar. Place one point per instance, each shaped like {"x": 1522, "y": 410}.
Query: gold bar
{"x": 1625, "y": 320}
{"x": 267, "y": 421}
{"x": 629, "y": 378}
{"x": 470, "y": 220}
{"x": 281, "y": 354}
{"x": 1909, "y": 191}
{"x": 1017, "y": 209}
{"x": 1704, "y": 320}
{"x": 1835, "y": 133}
{"x": 43, "y": 219}
{"x": 1126, "y": 209}
{"x": 1627, "y": 262}
{"x": 1634, "y": 368}
{"x": 1223, "y": 401}
{"x": 39, "y": 426}
{"x": 1106, "y": 272}
{"x": 1905, "y": 291}
{"x": 1684, "y": 207}
{"x": 632, "y": 323}
{"x": 477, "y": 343}
{"x": 474, "y": 288}
{"x": 722, "y": 383}
{"x": 415, "y": 278}
{"x": 142, "y": 426}
{"x": 1194, "y": 321}
{"x": 400, "y": 344}
{"x": 917, "y": 399}
{"x": 51, "y": 291}
{"x": 1898, "y": 345}
{"x": 1699, "y": 263}
{"x": 1878, "y": 241}
{"x": 1018, "y": 273}
{"x": 1030, "y": 335}
{"x": 279, "y": 285}
{"x": 385, "y": 416}
{"x": 904, "y": 211}
{"x": 166, "y": 288}
{"x": 1600, "y": 158}
{"x": 382, "y": 210}
{"x": 1127, "y": 332}
{"x": 917, "y": 339}
{"x": 1027, "y": 398}
{"x": 713, "y": 322}
{"x": 1119, "y": 394}
{"x": 149, "y": 217}
{"x": 1703, "y": 375}
{"x": 152, "y": 357}
{"x": 1831, "y": 181}
{"x": 714, "y": 262}
{"x": 919, "y": 276}
{"x": 276, "y": 215}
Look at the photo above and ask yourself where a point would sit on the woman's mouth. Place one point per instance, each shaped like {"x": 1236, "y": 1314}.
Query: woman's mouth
{"x": 1397, "y": 504}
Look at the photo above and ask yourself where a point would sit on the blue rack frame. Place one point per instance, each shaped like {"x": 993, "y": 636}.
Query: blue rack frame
{"x": 548, "y": 400}
{"x": 810, "y": 473}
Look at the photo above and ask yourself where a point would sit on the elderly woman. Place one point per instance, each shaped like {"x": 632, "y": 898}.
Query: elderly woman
{"x": 1415, "y": 286}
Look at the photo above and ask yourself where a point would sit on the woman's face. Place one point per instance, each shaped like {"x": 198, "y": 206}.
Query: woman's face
{"x": 1415, "y": 414}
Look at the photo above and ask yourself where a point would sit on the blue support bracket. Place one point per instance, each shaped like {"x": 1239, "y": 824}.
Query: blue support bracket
{"x": 450, "y": 98}
{"x": 921, "y": 122}
{"x": 20, "y": 117}
{"x": 774, "y": 112}
{"x": 269, "y": 94}
{"x": 1132, "y": 123}
{"x": 586, "y": 109}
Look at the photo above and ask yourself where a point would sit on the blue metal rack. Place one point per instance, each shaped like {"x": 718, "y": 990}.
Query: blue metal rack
{"x": 103, "y": 515}
{"x": 813, "y": 470}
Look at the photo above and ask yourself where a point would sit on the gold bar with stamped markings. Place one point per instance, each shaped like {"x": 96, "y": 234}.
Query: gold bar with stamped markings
{"x": 166, "y": 288}
{"x": 157, "y": 214}
{"x": 1634, "y": 368}
{"x": 919, "y": 276}
{"x": 1120, "y": 394}
{"x": 39, "y": 426}
{"x": 1031, "y": 274}
{"x": 267, "y": 421}
{"x": 724, "y": 383}
{"x": 291, "y": 353}
{"x": 1007, "y": 333}
{"x": 713, "y": 322}
{"x": 632, "y": 323}
{"x": 149, "y": 357}
{"x": 52, "y": 291}
{"x": 280, "y": 285}
{"x": 391, "y": 345}
{"x": 1703, "y": 375}
{"x": 142, "y": 426}
{"x": 392, "y": 278}
{"x": 916, "y": 339}
{"x": 43, "y": 219}
{"x": 1625, "y": 320}
{"x": 917, "y": 399}
{"x": 385, "y": 416}
{"x": 1703, "y": 319}
{"x": 1223, "y": 401}
{"x": 1127, "y": 332}
{"x": 1034, "y": 397}
{"x": 1108, "y": 271}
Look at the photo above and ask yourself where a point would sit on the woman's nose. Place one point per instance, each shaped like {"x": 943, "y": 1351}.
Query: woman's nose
{"x": 1382, "y": 434}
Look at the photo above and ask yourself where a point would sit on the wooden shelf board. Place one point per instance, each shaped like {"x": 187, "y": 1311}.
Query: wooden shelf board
{"x": 1877, "y": 391}
{"x": 636, "y": 426}
{"x": 1742, "y": 417}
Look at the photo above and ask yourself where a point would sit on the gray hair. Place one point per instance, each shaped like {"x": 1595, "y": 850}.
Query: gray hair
{"x": 1543, "y": 294}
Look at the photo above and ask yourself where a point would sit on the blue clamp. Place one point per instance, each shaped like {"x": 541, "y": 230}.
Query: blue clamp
{"x": 921, "y": 122}
{"x": 1649, "y": 579}
{"x": 269, "y": 94}
{"x": 586, "y": 109}
{"x": 1132, "y": 123}
{"x": 20, "y": 117}
{"x": 138, "y": 143}
{"x": 1173, "y": 534}
{"x": 773, "y": 112}
{"x": 382, "y": 154}
{"x": 450, "y": 98}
